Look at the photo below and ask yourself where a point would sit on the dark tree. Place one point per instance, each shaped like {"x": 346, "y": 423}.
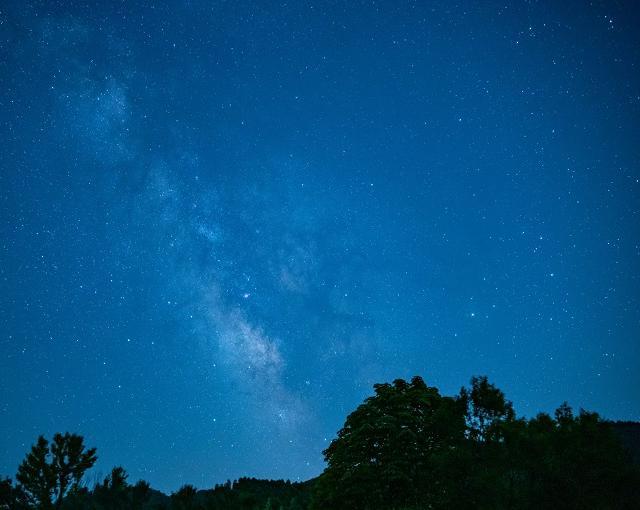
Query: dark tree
{"x": 51, "y": 472}
{"x": 6, "y": 492}
{"x": 113, "y": 492}
{"x": 140, "y": 494}
{"x": 37, "y": 477}
{"x": 184, "y": 498}
{"x": 11, "y": 497}
{"x": 390, "y": 448}
{"x": 487, "y": 410}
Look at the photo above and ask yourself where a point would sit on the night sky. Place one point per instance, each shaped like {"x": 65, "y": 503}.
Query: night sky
{"x": 223, "y": 222}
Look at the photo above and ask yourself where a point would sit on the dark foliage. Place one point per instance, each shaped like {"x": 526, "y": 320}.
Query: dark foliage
{"x": 250, "y": 493}
{"x": 629, "y": 434}
{"x": 398, "y": 437}
{"x": 52, "y": 472}
{"x": 405, "y": 448}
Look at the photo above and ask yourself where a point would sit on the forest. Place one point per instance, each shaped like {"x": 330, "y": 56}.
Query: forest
{"x": 407, "y": 447}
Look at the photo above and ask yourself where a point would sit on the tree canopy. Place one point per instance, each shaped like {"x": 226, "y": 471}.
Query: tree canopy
{"x": 50, "y": 472}
{"x": 408, "y": 447}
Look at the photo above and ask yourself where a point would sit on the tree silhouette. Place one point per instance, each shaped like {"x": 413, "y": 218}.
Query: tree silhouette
{"x": 11, "y": 497}
{"x": 36, "y": 475}
{"x": 140, "y": 494}
{"x": 184, "y": 498}
{"x": 51, "y": 472}
{"x": 389, "y": 448}
{"x": 113, "y": 492}
{"x": 6, "y": 492}
{"x": 487, "y": 409}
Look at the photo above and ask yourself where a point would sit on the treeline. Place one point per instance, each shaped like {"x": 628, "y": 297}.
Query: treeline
{"x": 45, "y": 489}
{"x": 405, "y": 448}
{"x": 408, "y": 447}
{"x": 116, "y": 493}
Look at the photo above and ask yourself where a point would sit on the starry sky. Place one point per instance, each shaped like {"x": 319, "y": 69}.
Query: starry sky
{"x": 223, "y": 221}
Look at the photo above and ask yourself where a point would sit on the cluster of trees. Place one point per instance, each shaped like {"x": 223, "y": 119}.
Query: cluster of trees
{"x": 51, "y": 478}
{"x": 408, "y": 447}
{"x": 115, "y": 493}
{"x": 405, "y": 448}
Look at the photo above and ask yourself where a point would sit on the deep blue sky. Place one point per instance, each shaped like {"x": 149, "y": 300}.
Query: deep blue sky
{"x": 222, "y": 222}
